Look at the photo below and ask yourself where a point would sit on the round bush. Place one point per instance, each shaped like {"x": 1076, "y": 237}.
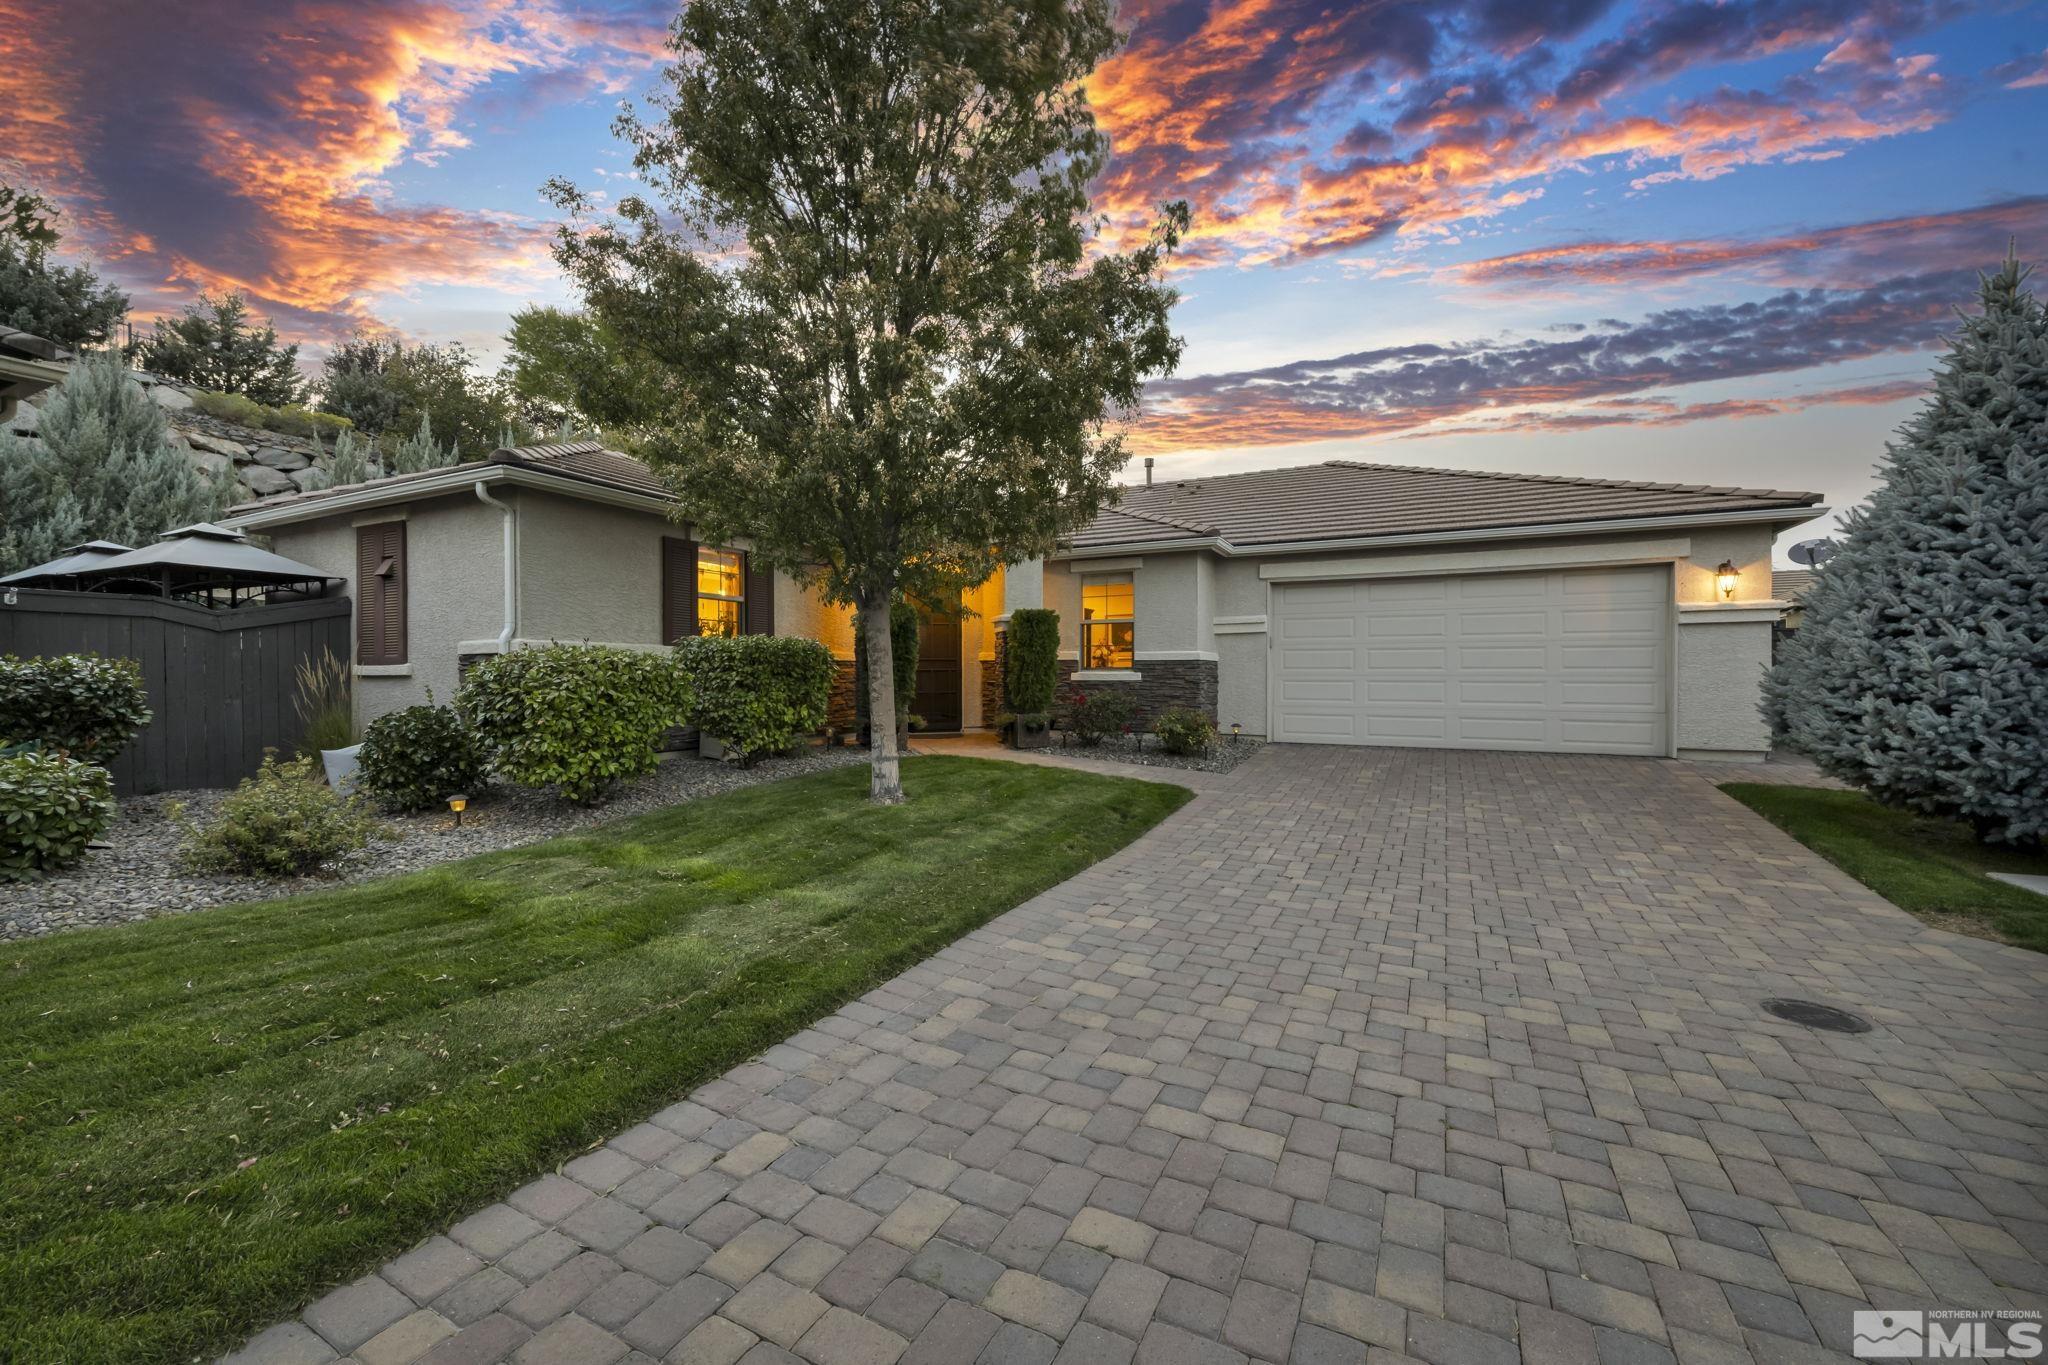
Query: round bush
{"x": 51, "y": 807}
{"x": 416, "y": 758}
{"x": 85, "y": 705}
{"x": 1183, "y": 730}
{"x": 579, "y": 717}
{"x": 282, "y": 822}
{"x": 1092, "y": 715}
{"x": 756, "y": 694}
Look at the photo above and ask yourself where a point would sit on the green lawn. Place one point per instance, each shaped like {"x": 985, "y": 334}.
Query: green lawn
{"x": 1931, "y": 868}
{"x": 210, "y": 1119}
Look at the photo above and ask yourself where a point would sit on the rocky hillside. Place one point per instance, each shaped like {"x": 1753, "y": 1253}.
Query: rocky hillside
{"x": 264, "y": 462}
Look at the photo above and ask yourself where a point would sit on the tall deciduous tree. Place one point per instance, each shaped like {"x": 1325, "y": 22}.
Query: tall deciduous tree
{"x": 217, "y": 344}
{"x": 888, "y": 347}
{"x": 564, "y": 367}
{"x": 1921, "y": 670}
{"x": 100, "y": 467}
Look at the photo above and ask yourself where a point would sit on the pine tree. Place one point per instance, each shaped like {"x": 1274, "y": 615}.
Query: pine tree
{"x": 101, "y": 467}
{"x": 420, "y": 451}
{"x": 348, "y": 463}
{"x": 1921, "y": 671}
{"x": 218, "y": 345}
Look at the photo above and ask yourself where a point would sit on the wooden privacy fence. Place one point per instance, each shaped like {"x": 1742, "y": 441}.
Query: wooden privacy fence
{"x": 221, "y": 683}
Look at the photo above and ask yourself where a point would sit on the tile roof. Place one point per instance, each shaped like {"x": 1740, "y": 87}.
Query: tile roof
{"x": 1790, "y": 585}
{"x": 587, "y": 461}
{"x": 1351, "y": 499}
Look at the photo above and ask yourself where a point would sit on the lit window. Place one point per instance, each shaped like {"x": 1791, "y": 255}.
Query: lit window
{"x": 1106, "y": 626}
{"x": 721, "y": 592}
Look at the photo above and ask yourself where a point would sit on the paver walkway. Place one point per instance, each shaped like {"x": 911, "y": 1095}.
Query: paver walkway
{"x": 1366, "y": 1055}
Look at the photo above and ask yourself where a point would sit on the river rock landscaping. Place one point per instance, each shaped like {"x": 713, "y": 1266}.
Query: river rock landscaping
{"x": 137, "y": 872}
{"x": 1145, "y": 750}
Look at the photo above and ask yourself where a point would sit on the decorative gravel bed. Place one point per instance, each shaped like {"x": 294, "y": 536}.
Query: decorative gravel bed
{"x": 1223, "y": 755}
{"x": 140, "y": 875}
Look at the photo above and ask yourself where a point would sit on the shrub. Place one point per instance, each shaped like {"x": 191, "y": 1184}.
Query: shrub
{"x": 280, "y": 823}
{"x": 293, "y": 419}
{"x": 85, "y": 705}
{"x": 581, "y": 717}
{"x": 325, "y": 701}
{"x": 756, "y": 694}
{"x": 51, "y": 807}
{"x": 416, "y": 758}
{"x": 1031, "y": 668}
{"x": 1183, "y": 730}
{"x": 1092, "y": 715}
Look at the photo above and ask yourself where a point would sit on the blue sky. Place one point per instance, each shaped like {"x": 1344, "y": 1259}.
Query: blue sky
{"x": 1703, "y": 243}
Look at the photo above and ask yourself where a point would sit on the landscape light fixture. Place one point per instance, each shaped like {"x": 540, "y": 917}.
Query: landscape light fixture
{"x": 458, "y": 803}
{"x": 1236, "y": 731}
{"x": 1724, "y": 578}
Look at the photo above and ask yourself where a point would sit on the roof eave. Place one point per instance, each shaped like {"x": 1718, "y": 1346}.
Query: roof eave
{"x": 454, "y": 480}
{"x": 1783, "y": 516}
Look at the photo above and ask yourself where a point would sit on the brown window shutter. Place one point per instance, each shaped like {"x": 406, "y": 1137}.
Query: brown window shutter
{"x": 380, "y": 593}
{"x": 760, "y": 593}
{"x": 678, "y": 588}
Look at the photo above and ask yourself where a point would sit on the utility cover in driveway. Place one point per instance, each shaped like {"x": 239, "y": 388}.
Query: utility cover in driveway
{"x": 1566, "y": 662}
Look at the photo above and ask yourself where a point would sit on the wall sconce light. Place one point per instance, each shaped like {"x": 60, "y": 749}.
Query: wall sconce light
{"x": 1724, "y": 578}
{"x": 458, "y": 803}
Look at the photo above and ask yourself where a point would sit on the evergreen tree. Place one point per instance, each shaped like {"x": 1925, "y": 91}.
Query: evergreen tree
{"x": 100, "y": 468}
{"x": 420, "y": 451}
{"x": 218, "y": 345}
{"x": 348, "y": 463}
{"x": 1921, "y": 670}
{"x": 66, "y": 304}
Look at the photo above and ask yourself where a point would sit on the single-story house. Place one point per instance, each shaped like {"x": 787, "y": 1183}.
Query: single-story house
{"x": 1790, "y": 586}
{"x": 1335, "y": 603}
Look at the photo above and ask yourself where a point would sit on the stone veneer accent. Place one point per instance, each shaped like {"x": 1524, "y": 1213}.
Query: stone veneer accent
{"x": 1161, "y": 683}
{"x": 843, "y": 711}
{"x": 993, "y": 703}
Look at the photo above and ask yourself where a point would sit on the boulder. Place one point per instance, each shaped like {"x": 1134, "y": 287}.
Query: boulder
{"x": 277, "y": 457}
{"x": 170, "y": 399}
{"x": 219, "y": 445}
{"x": 208, "y": 462}
{"x": 309, "y": 479}
{"x": 265, "y": 482}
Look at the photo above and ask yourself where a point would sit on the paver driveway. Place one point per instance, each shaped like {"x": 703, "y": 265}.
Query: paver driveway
{"x": 1366, "y": 1053}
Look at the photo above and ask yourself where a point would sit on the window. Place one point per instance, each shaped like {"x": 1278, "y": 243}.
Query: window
{"x": 721, "y": 592}
{"x": 380, "y": 593}
{"x": 1106, "y": 626}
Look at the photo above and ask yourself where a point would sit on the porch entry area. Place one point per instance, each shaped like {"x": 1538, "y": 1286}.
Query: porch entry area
{"x": 939, "y": 674}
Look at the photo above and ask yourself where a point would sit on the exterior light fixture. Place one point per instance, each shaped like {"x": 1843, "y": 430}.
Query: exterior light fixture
{"x": 1236, "y": 731}
{"x": 1724, "y": 578}
{"x": 458, "y": 803}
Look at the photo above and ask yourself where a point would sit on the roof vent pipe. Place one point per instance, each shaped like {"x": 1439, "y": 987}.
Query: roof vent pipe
{"x": 1148, "y": 471}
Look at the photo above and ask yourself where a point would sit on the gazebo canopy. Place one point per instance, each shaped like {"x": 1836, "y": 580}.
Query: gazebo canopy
{"x": 75, "y": 560}
{"x": 201, "y": 559}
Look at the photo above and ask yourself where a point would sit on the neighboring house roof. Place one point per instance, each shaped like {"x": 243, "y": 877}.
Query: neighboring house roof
{"x": 28, "y": 365}
{"x": 28, "y": 346}
{"x": 1353, "y": 500}
{"x": 1791, "y": 585}
{"x": 567, "y": 464}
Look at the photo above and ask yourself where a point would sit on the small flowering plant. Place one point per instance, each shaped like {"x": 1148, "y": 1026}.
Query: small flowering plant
{"x": 1093, "y": 715}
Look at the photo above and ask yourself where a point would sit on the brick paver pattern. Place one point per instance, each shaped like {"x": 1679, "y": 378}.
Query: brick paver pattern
{"x": 1366, "y": 1055}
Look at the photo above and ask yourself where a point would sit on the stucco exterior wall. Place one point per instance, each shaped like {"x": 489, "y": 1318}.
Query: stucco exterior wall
{"x": 1721, "y": 668}
{"x": 588, "y": 571}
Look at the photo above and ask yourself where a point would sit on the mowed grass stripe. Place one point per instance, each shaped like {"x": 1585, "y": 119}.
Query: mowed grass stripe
{"x": 396, "y": 1054}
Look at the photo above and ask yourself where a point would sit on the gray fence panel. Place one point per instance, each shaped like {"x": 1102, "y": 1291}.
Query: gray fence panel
{"x": 221, "y": 683}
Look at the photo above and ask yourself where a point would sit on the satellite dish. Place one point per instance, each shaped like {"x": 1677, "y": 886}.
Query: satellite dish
{"x": 1811, "y": 552}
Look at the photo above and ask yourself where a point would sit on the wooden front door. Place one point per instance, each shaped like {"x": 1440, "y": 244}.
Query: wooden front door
{"x": 938, "y": 674}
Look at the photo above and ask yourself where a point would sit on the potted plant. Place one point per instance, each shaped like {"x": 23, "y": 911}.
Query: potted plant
{"x": 326, "y": 706}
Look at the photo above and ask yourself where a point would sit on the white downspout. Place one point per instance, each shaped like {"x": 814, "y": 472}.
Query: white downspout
{"x": 510, "y": 553}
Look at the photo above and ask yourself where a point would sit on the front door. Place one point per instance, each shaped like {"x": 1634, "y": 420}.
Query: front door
{"x": 937, "y": 702}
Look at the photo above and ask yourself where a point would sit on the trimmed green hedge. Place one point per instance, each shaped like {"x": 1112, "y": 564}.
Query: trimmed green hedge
{"x": 51, "y": 807}
{"x": 579, "y": 717}
{"x": 85, "y": 705}
{"x": 756, "y": 694}
{"x": 1031, "y": 669}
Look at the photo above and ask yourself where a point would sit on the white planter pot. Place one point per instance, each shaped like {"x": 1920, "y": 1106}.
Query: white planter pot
{"x": 341, "y": 768}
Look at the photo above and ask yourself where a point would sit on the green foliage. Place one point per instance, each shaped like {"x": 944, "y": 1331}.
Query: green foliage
{"x": 756, "y": 694}
{"x": 1184, "y": 730}
{"x": 416, "y": 758}
{"x": 349, "y": 463}
{"x": 27, "y": 218}
{"x": 283, "y": 822}
{"x": 580, "y": 717}
{"x": 1093, "y": 715}
{"x": 1031, "y": 666}
{"x": 388, "y": 388}
{"x": 218, "y": 345}
{"x": 420, "y": 451}
{"x": 1920, "y": 672}
{"x": 564, "y": 367}
{"x": 895, "y": 375}
{"x": 66, "y": 304}
{"x": 324, "y": 697}
{"x": 293, "y": 419}
{"x": 51, "y": 807}
{"x": 100, "y": 467}
{"x": 87, "y": 706}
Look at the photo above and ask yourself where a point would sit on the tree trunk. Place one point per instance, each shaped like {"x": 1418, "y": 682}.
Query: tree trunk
{"x": 886, "y": 782}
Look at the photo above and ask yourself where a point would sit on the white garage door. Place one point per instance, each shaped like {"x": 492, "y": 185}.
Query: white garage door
{"x": 1570, "y": 662}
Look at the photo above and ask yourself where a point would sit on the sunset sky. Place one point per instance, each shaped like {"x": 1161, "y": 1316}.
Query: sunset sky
{"x": 1697, "y": 242}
